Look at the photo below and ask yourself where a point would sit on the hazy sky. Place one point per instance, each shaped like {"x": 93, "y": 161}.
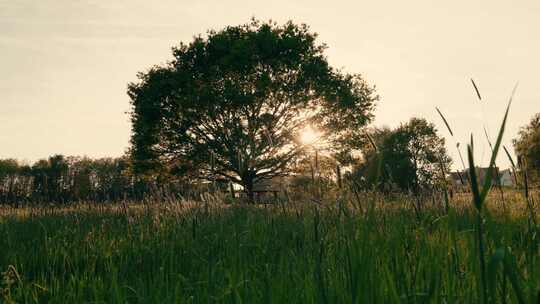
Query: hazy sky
{"x": 65, "y": 64}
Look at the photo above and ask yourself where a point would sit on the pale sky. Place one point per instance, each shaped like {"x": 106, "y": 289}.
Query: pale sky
{"x": 66, "y": 63}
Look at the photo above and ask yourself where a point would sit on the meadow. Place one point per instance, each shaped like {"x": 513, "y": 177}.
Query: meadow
{"x": 355, "y": 211}
{"x": 350, "y": 249}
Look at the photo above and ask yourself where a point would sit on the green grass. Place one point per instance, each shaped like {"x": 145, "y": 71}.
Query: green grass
{"x": 172, "y": 252}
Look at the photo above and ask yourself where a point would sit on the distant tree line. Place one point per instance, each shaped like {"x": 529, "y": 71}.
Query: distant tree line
{"x": 69, "y": 179}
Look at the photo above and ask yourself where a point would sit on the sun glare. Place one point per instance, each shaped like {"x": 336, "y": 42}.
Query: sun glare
{"x": 309, "y": 136}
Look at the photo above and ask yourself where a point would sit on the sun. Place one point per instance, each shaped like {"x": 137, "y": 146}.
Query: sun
{"x": 309, "y": 136}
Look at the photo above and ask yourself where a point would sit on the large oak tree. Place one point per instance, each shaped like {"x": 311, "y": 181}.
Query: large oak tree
{"x": 231, "y": 104}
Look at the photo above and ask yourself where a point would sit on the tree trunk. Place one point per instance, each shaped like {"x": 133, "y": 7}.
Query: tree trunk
{"x": 231, "y": 189}
{"x": 248, "y": 187}
{"x": 338, "y": 173}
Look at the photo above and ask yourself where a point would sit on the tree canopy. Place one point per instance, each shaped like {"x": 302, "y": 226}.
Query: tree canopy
{"x": 527, "y": 146}
{"x": 410, "y": 156}
{"x": 231, "y": 105}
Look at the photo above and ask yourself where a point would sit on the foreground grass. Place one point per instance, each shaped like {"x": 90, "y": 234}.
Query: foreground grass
{"x": 174, "y": 253}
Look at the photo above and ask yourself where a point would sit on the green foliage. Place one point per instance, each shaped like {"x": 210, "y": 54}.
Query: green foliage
{"x": 316, "y": 165}
{"x": 501, "y": 256}
{"x": 481, "y": 194}
{"x": 68, "y": 179}
{"x": 527, "y": 146}
{"x": 409, "y": 156}
{"x": 176, "y": 253}
{"x": 231, "y": 105}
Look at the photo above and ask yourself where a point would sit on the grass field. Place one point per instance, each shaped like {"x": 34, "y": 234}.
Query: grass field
{"x": 370, "y": 250}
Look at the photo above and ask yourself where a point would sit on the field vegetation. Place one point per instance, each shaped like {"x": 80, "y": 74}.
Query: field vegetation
{"x": 368, "y": 215}
{"x": 372, "y": 250}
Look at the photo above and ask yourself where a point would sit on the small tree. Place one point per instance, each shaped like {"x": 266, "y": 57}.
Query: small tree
{"x": 231, "y": 105}
{"x": 409, "y": 156}
{"x": 527, "y": 147}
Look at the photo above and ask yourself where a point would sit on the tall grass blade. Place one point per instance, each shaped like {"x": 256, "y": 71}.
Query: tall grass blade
{"x": 476, "y": 89}
{"x": 488, "y": 140}
{"x": 514, "y": 170}
{"x": 461, "y": 157}
{"x": 489, "y": 174}
{"x": 472, "y": 176}
{"x": 503, "y": 257}
{"x": 496, "y": 259}
{"x": 477, "y": 200}
{"x": 512, "y": 163}
{"x": 445, "y": 121}
{"x": 510, "y": 270}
